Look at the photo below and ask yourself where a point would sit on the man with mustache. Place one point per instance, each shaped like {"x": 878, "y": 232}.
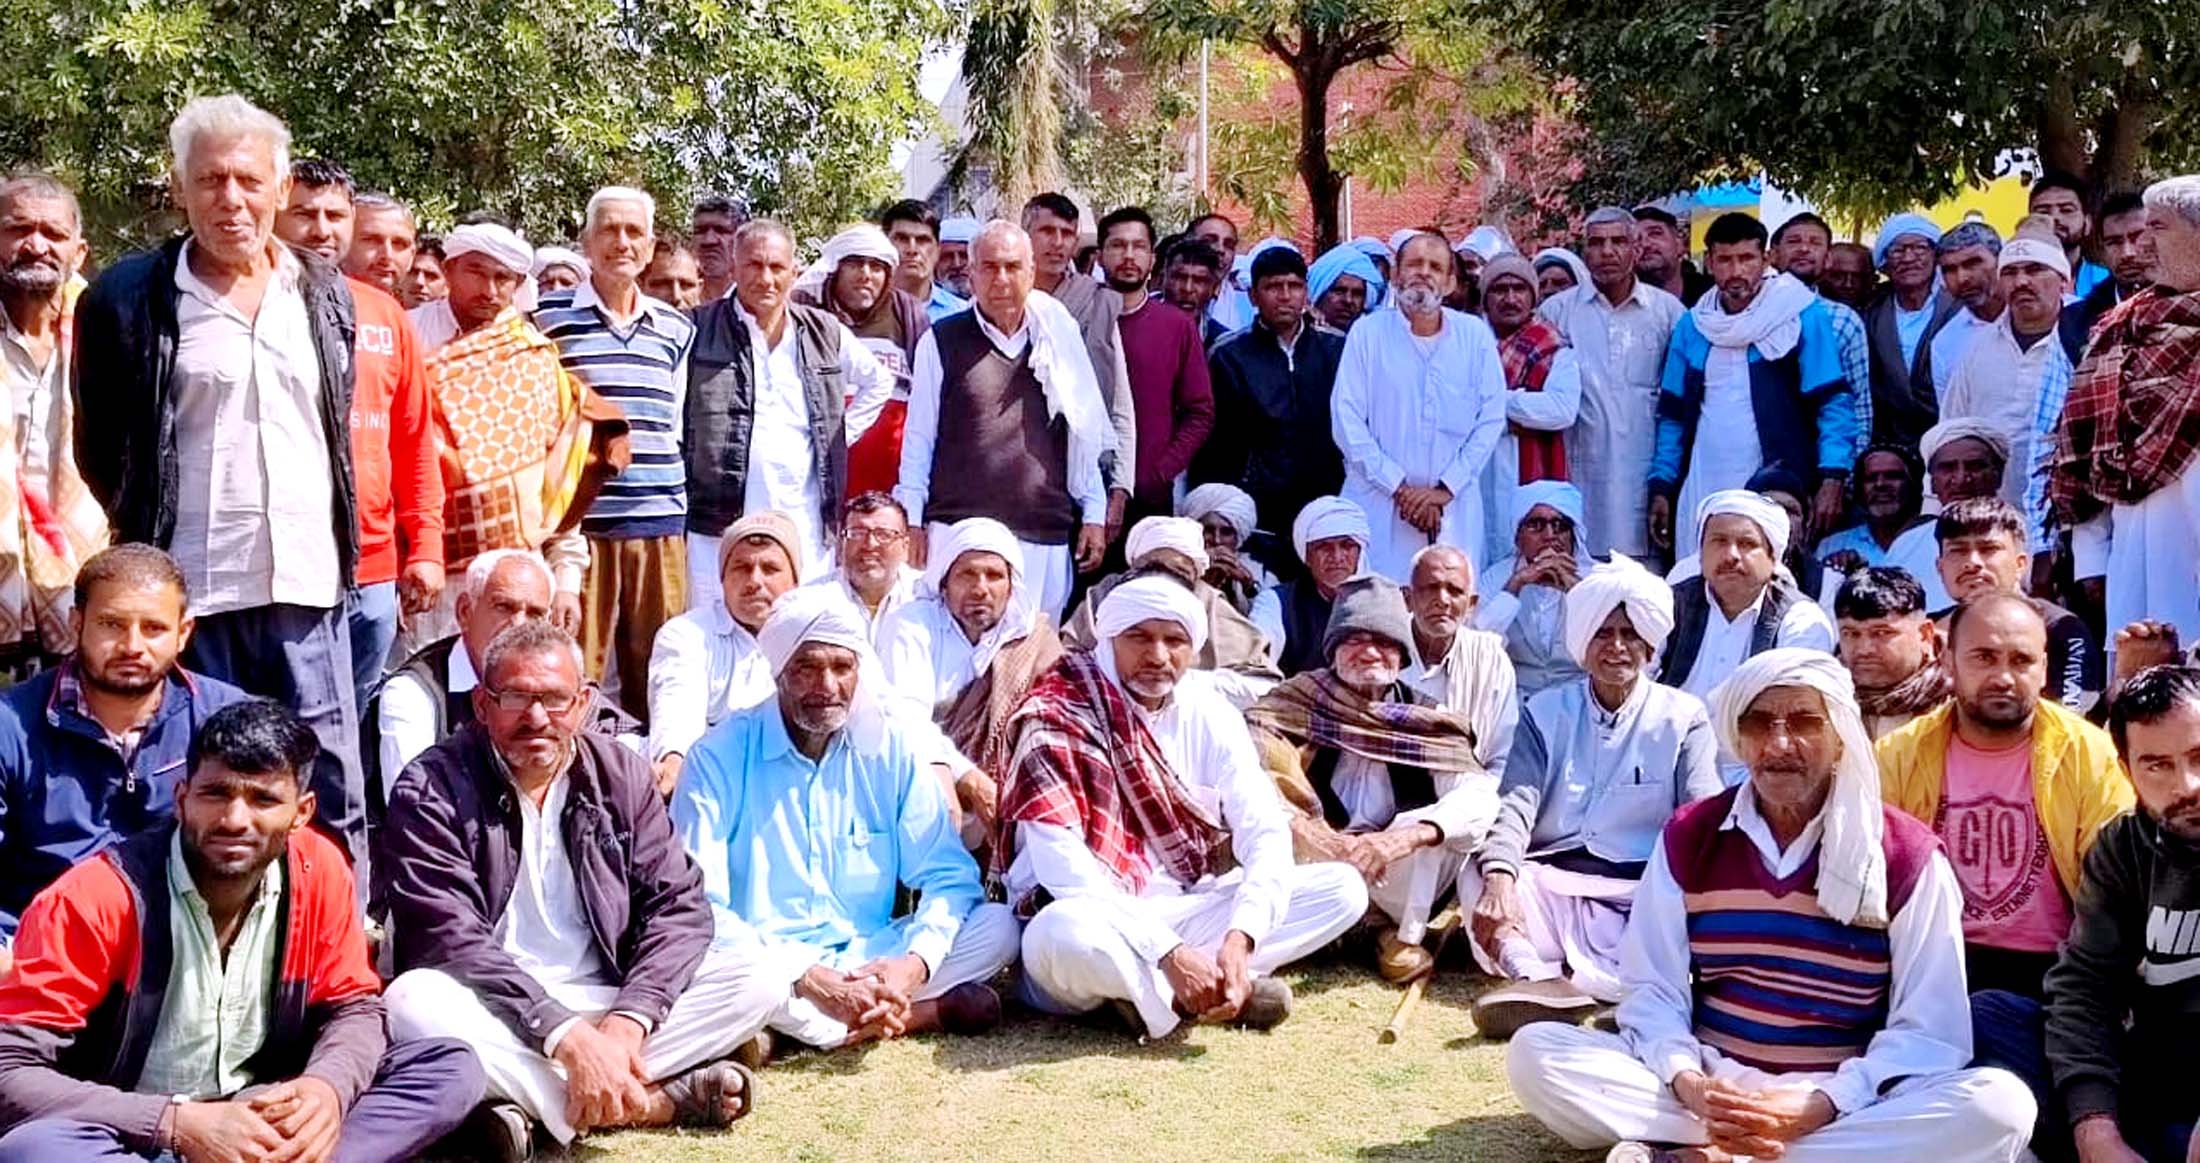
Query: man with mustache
{"x": 49, "y": 521}
{"x": 2120, "y": 233}
{"x": 1888, "y": 489}
{"x": 1981, "y": 552}
{"x": 705, "y": 664}
{"x": 874, "y": 573}
{"x": 1740, "y": 606}
{"x": 1901, "y": 327}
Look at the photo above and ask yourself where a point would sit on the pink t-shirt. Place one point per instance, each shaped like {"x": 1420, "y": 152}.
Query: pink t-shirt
{"x": 1990, "y": 828}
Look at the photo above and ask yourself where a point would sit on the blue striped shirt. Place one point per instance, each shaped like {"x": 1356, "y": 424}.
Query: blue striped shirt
{"x": 1856, "y": 365}
{"x": 643, "y": 369}
{"x": 2046, "y": 420}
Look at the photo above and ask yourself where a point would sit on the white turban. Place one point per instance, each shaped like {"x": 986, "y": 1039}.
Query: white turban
{"x": 1852, "y": 861}
{"x": 557, "y": 256}
{"x": 1487, "y": 241}
{"x": 1232, "y": 503}
{"x": 1761, "y": 510}
{"x": 962, "y": 230}
{"x": 2026, "y": 249}
{"x": 1327, "y": 517}
{"x": 1607, "y": 587}
{"x": 1144, "y": 599}
{"x": 1399, "y": 238}
{"x": 508, "y": 249}
{"x": 983, "y": 535}
{"x": 823, "y": 614}
{"x": 860, "y": 241}
{"x": 1940, "y": 435}
{"x": 1179, "y": 533}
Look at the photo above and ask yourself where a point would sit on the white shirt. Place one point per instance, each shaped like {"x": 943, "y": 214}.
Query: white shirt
{"x": 1928, "y": 1029}
{"x": 254, "y": 445}
{"x": 1608, "y": 451}
{"x": 409, "y": 712}
{"x": 434, "y": 325}
{"x": 1487, "y": 688}
{"x": 702, "y": 667}
{"x": 2000, "y": 382}
{"x": 545, "y": 927}
{"x": 782, "y": 471}
{"x": 1917, "y": 551}
{"x": 1208, "y": 747}
{"x": 33, "y": 389}
{"x": 1726, "y": 641}
{"x": 901, "y": 593}
{"x": 1951, "y": 342}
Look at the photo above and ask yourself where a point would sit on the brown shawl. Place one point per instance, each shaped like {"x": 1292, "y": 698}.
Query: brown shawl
{"x": 1313, "y": 712}
{"x": 976, "y": 720}
{"x": 1233, "y": 643}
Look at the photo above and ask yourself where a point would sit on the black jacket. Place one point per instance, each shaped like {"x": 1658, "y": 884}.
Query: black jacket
{"x": 1272, "y": 435}
{"x": 721, "y": 411}
{"x": 126, "y": 413}
{"x": 2078, "y": 318}
{"x": 1904, "y": 404}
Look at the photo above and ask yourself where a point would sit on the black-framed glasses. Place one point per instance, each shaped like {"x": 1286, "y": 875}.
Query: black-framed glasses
{"x": 855, "y": 536}
{"x": 517, "y": 702}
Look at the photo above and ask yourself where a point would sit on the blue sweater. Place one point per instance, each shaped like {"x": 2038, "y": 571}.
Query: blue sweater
{"x": 1806, "y": 415}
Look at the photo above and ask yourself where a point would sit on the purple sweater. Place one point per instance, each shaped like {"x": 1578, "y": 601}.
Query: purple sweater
{"x": 1167, "y": 364}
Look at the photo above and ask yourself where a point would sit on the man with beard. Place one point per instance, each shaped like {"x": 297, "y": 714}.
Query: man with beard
{"x": 1141, "y": 837}
{"x": 712, "y": 224}
{"x": 858, "y": 290}
{"x": 953, "y": 268}
{"x": 1459, "y": 667}
{"x": 1166, "y": 361}
{"x": 546, "y": 916}
{"x": 49, "y": 522}
{"x": 874, "y": 572}
{"x": 914, "y": 229}
{"x": 1849, "y": 277}
{"x": 812, "y": 813}
{"x": 203, "y": 990}
{"x": 1191, "y": 273}
{"x": 1888, "y": 487}
{"x": 1740, "y": 607}
{"x": 1891, "y": 647}
{"x": 705, "y": 664}
{"x": 2015, "y": 376}
{"x": 1343, "y": 285}
{"x": 2066, "y": 201}
{"x": 2006, "y": 777}
{"x": 1418, "y": 410}
{"x": 1802, "y": 247}
{"x": 68, "y": 787}
{"x": 1901, "y": 328}
{"x": 1981, "y": 552}
{"x": 1662, "y": 260}
{"x": 384, "y": 243}
{"x": 1236, "y": 653}
{"x": 1969, "y": 257}
{"x": 673, "y": 276}
{"x": 1050, "y": 222}
{"x": 2121, "y": 235}
{"x": 1377, "y": 775}
{"x": 1542, "y": 395}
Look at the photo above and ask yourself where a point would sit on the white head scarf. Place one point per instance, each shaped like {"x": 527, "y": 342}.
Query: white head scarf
{"x": 822, "y": 614}
{"x": 1327, "y": 517}
{"x": 1761, "y": 510}
{"x": 862, "y": 240}
{"x": 1179, "y": 533}
{"x": 1399, "y": 238}
{"x": 2024, "y": 248}
{"x": 1940, "y": 435}
{"x": 503, "y": 247}
{"x": 1487, "y": 241}
{"x": 959, "y": 229}
{"x": 1852, "y": 860}
{"x": 557, "y": 256}
{"x": 1607, "y": 587}
{"x": 1144, "y": 599}
{"x": 983, "y": 535}
{"x": 1233, "y": 503}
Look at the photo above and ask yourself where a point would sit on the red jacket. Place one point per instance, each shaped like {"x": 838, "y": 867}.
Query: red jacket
{"x": 92, "y": 963}
{"x": 393, "y": 449}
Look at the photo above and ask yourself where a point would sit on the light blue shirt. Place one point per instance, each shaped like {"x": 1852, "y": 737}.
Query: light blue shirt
{"x": 943, "y": 303}
{"x": 804, "y": 858}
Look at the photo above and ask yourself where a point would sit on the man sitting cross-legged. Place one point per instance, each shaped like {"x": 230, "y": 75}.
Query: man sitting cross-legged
{"x": 808, "y": 811}
{"x": 201, "y": 991}
{"x": 1132, "y": 788}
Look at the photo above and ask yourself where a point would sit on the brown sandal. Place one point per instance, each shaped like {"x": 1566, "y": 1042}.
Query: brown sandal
{"x": 699, "y": 1096}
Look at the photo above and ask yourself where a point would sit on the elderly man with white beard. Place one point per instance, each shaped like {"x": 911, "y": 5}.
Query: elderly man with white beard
{"x": 1132, "y": 788}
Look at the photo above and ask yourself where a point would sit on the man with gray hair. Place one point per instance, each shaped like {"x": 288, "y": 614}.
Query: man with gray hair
{"x": 220, "y": 364}
{"x": 1618, "y": 326}
{"x": 1970, "y": 259}
{"x": 634, "y": 350}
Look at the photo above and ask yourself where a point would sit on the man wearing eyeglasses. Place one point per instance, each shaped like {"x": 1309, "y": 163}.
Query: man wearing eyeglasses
{"x": 874, "y": 574}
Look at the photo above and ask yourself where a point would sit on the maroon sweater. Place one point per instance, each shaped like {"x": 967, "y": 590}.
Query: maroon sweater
{"x": 1167, "y": 363}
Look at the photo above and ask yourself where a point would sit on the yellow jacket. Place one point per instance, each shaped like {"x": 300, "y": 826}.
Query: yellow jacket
{"x": 2077, "y": 785}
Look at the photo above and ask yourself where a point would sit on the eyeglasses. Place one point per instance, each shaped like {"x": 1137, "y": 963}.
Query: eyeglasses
{"x": 1546, "y": 524}
{"x": 1910, "y": 249}
{"x": 1795, "y": 725}
{"x": 854, "y": 536}
{"x": 517, "y": 702}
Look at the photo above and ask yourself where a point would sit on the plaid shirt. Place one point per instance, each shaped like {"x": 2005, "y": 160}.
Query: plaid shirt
{"x": 1856, "y": 365}
{"x": 2046, "y": 418}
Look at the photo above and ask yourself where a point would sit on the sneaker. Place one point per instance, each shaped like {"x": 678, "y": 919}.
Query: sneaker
{"x": 1499, "y": 1013}
{"x": 1400, "y": 962}
{"x": 1269, "y": 1004}
{"x": 498, "y": 1132}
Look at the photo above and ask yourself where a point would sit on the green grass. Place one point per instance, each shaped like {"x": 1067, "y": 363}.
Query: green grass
{"x": 1041, "y": 1090}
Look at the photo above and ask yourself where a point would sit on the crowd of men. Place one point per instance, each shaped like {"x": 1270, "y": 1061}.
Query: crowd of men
{"x": 467, "y": 691}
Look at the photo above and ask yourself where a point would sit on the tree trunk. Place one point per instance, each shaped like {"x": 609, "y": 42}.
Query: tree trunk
{"x": 2120, "y": 142}
{"x": 2062, "y": 144}
{"x": 1324, "y": 185}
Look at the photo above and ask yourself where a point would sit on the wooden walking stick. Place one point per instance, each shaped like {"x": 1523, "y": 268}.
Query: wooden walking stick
{"x": 1445, "y": 924}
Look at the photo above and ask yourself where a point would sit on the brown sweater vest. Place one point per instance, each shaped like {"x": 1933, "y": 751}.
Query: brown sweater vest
{"x": 999, "y": 455}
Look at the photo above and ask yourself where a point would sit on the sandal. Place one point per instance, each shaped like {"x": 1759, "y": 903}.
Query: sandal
{"x": 699, "y": 1096}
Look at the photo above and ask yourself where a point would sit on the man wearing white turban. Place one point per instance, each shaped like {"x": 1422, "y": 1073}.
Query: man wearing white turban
{"x": 1236, "y": 653}
{"x": 1228, "y": 519}
{"x": 1136, "y": 813}
{"x": 808, "y": 813}
{"x": 1549, "y": 557}
{"x": 1743, "y": 604}
{"x": 1330, "y": 536}
{"x": 1793, "y": 967}
{"x": 1598, "y": 766}
{"x": 1965, "y": 458}
{"x": 953, "y": 267}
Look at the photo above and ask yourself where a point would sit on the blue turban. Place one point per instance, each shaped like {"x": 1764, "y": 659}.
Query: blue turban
{"x": 1344, "y": 260}
{"x": 1898, "y": 226}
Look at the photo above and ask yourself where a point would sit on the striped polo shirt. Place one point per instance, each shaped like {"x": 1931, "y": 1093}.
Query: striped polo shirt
{"x": 643, "y": 369}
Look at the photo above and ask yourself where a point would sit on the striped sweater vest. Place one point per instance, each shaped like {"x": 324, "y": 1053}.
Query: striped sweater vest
{"x": 1779, "y": 985}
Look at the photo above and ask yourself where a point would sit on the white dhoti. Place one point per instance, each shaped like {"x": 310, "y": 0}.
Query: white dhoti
{"x": 1590, "y": 1090}
{"x": 1572, "y": 922}
{"x": 2146, "y": 551}
{"x": 724, "y": 1006}
{"x": 984, "y": 946}
{"x": 1408, "y": 893}
{"x": 1076, "y": 958}
{"x": 1048, "y": 570}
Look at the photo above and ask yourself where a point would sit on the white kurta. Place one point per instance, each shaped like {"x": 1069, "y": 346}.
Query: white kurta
{"x": 1726, "y": 641}
{"x": 702, "y": 667}
{"x": 1475, "y": 679}
{"x": 1621, "y": 349}
{"x": 1951, "y": 343}
{"x": 901, "y": 593}
{"x": 1418, "y": 411}
{"x": 2000, "y": 382}
{"x": 2147, "y": 553}
{"x": 1533, "y": 624}
{"x": 1554, "y": 409}
{"x": 1917, "y": 552}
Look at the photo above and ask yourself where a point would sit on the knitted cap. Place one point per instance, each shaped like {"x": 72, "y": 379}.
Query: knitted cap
{"x": 1372, "y": 604}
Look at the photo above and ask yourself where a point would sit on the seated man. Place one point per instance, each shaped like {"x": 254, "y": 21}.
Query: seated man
{"x": 1892, "y": 649}
{"x": 1887, "y": 492}
{"x": 1964, "y": 460}
{"x": 2118, "y": 1022}
{"x": 1331, "y": 536}
{"x": 874, "y": 572}
{"x": 705, "y": 664}
{"x": 1598, "y": 767}
{"x": 1743, "y": 604}
{"x": 1227, "y": 519}
{"x": 1377, "y": 775}
{"x": 2016, "y": 786}
{"x": 823, "y": 759}
{"x": 1982, "y": 552}
{"x": 202, "y": 990}
{"x": 1459, "y": 667}
{"x": 431, "y": 695}
{"x": 1236, "y": 652}
{"x": 545, "y": 915}
{"x": 1547, "y": 560}
{"x": 91, "y": 750}
{"x": 1133, "y": 792}
{"x": 1793, "y": 968}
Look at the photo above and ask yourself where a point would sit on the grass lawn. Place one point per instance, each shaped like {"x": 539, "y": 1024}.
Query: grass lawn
{"x": 1038, "y": 1090}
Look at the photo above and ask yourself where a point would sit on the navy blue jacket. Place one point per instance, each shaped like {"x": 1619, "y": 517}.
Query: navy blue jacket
{"x": 65, "y": 793}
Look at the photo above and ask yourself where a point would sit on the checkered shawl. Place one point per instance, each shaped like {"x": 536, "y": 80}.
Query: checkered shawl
{"x": 2132, "y": 423}
{"x": 1527, "y": 355}
{"x": 1314, "y": 711}
{"x": 1084, "y": 761}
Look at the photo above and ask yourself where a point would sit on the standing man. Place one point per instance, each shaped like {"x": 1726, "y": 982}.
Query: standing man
{"x": 2015, "y": 376}
{"x": 858, "y": 290}
{"x": 953, "y": 268}
{"x": 634, "y": 351}
{"x": 1542, "y": 395}
{"x": 712, "y": 224}
{"x": 49, "y": 522}
{"x": 1228, "y": 307}
{"x": 1166, "y": 361}
{"x": 384, "y": 242}
{"x": 1050, "y": 220}
{"x": 1419, "y": 406}
{"x": 424, "y": 283}
{"x": 1191, "y": 272}
{"x": 1663, "y": 257}
{"x": 2121, "y": 234}
{"x": 1900, "y": 328}
{"x": 222, "y": 363}
{"x": 1618, "y": 326}
{"x": 393, "y": 450}
{"x": 1970, "y": 269}
{"x": 1803, "y": 247}
{"x": 914, "y": 229}
{"x": 2066, "y": 201}
{"x": 1273, "y": 383}
{"x": 1753, "y": 380}
{"x": 673, "y": 276}
{"x": 1850, "y": 278}
{"x": 1022, "y": 447}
